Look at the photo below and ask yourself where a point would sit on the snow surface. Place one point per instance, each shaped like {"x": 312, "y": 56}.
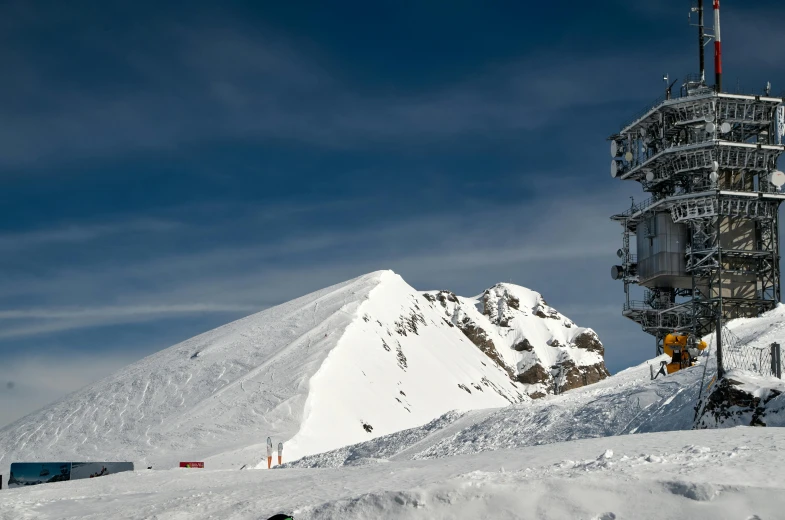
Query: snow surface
{"x": 706, "y": 474}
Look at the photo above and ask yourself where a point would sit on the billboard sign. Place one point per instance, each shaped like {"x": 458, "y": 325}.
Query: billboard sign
{"x": 98, "y": 469}
{"x": 192, "y": 464}
{"x": 34, "y": 473}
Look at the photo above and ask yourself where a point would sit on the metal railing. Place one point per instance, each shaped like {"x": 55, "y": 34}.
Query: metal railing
{"x": 638, "y": 207}
{"x": 682, "y": 92}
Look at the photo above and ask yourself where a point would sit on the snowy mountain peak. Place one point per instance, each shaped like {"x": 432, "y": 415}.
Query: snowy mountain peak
{"x": 351, "y": 362}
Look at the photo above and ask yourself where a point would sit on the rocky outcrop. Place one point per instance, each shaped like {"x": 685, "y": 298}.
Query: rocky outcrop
{"x": 530, "y": 340}
{"x": 573, "y": 376}
{"x": 735, "y": 402}
{"x": 589, "y": 341}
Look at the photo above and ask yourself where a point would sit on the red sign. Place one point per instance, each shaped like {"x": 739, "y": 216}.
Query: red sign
{"x": 192, "y": 464}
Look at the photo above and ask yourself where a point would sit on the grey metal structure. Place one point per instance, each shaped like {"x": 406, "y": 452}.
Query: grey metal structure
{"x": 706, "y": 241}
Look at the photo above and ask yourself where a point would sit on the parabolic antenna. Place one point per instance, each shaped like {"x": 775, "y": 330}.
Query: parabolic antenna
{"x": 715, "y": 166}
{"x": 713, "y": 177}
{"x": 614, "y": 148}
{"x": 649, "y": 176}
{"x": 617, "y": 272}
{"x": 620, "y": 253}
{"x": 614, "y": 169}
{"x": 710, "y": 127}
{"x": 777, "y": 178}
{"x": 725, "y": 128}
{"x": 628, "y": 156}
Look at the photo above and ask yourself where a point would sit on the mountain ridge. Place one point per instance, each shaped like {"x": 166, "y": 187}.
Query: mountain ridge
{"x": 359, "y": 359}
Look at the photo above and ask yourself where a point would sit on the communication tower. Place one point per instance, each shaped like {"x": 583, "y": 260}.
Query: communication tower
{"x": 706, "y": 241}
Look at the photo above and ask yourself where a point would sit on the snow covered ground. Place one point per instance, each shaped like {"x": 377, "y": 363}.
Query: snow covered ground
{"x": 705, "y": 474}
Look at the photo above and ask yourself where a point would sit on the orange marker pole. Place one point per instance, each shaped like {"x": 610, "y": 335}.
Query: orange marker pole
{"x": 269, "y": 462}
{"x": 279, "y": 460}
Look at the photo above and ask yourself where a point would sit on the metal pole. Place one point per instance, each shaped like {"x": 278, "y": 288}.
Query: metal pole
{"x": 776, "y": 360}
{"x": 717, "y": 47}
{"x": 720, "y": 366}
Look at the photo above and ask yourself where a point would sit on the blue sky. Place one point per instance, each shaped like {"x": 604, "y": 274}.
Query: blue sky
{"x": 167, "y": 169}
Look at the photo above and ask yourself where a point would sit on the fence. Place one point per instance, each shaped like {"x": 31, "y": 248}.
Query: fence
{"x": 764, "y": 360}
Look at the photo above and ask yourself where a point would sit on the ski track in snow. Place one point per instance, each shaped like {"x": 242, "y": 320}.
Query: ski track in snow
{"x": 701, "y": 475}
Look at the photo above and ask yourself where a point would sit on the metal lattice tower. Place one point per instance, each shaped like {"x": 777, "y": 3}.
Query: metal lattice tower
{"x": 707, "y": 238}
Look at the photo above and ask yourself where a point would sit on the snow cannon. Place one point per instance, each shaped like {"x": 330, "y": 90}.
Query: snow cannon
{"x": 683, "y": 351}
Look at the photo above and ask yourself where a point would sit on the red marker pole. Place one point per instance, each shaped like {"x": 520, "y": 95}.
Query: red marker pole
{"x": 717, "y": 47}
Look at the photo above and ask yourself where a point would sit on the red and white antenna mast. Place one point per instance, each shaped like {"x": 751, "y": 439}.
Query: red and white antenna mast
{"x": 717, "y": 47}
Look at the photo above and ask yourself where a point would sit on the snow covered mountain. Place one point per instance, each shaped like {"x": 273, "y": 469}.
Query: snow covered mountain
{"x": 352, "y": 362}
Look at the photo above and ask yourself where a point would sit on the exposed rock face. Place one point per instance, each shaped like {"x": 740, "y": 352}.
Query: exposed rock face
{"x": 535, "y": 344}
{"x": 588, "y": 340}
{"x": 737, "y": 402}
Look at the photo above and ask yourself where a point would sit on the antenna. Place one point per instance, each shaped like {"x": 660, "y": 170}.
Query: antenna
{"x": 701, "y": 42}
{"x": 717, "y": 47}
{"x": 666, "y": 78}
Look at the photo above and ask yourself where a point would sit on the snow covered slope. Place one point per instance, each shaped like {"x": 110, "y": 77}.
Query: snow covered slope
{"x": 531, "y": 340}
{"x": 345, "y": 364}
{"x": 700, "y": 475}
{"x": 627, "y": 402}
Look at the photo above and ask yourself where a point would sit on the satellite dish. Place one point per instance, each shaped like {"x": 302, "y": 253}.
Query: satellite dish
{"x": 620, "y": 253}
{"x": 777, "y": 178}
{"x": 649, "y": 176}
{"x": 715, "y": 166}
{"x": 614, "y": 148}
{"x": 725, "y": 128}
{"x": 617, "y": 272}
{"x": 614, "y": 169}
{"x": 710, "y": 127}
{"x": 628, "y": 156}
{"x": 713, "y": 177}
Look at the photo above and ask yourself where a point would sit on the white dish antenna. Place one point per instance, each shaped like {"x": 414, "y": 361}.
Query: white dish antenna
{"x": 710, "y": 127}
{"x": 777, "y": 178}
{"x": 715, "y": 166}
{"x": 614, "y": 148}
{"x": 725, "y": 128}
{"x": 713, "y": 177}
{"x": 614, "y": 169}
{"x": 650, "y": 176}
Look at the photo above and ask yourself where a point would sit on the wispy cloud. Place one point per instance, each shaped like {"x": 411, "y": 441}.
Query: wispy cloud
{"x": 31, "y": 382}
{"x": 229, "y": 82}
{"x": 570, "y": 231}
{"x": 80, "y": 233}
